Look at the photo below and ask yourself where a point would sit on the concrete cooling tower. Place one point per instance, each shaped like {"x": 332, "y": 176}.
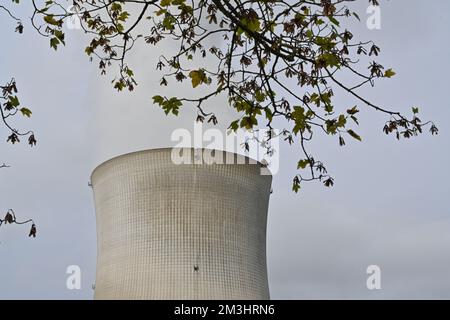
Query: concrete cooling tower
{"x": 180, "y": 231}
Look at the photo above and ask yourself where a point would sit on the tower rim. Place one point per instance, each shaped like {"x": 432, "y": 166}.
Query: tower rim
{"x": 248, "y": 160}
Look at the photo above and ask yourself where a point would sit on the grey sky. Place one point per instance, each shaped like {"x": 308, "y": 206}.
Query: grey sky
{"x": 389, "y": 206}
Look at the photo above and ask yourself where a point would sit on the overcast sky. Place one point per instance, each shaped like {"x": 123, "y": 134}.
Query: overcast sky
{"x": 389, "y": 206}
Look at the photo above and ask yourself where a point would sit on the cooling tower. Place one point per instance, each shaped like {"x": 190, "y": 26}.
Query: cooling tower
{"x": 181, "y": 231}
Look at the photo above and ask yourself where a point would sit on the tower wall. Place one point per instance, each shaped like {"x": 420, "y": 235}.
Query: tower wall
{"x": 189, "y": 231}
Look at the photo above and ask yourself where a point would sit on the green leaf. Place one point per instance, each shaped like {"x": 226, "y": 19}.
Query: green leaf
{"x": 60, "y": 36}
{"x": 260, "y": 96}
{"x": 302, "y": 164}
{"x": 252, "y": 24}
{"x": 298, "y": 115}
{"x": 89, "y": 50}
{"x": 119, "y": 85}
{"x": 342, "y": 121}
{"x": 234, "y": 125}
{"x": 334, "y": 21}
{"x": 52, "y": 21}
{"x": 169, "y": 22}
{"x": 353, "y": 111}
{"x": 26, "y": 112}
{"x": 172, "y": 105}
{"x": 268, "y": 113}
{"x": 54, "y": 43}
{"x": 389, "y": 73}
{"x": 14, "y": 101}
{"x": 329, "y": 108}
{"x": 120, "y": 27}
{"x": 123, "y": 16}
{"x": 165, "y": 3}
{"x": 354, "y": 135}
{"x": 116, "y": 7}
{"x": 296, "y": 185}
{"x": 248, "y": 122}
{"x": 161, "y": 12}
{"x": 129, "y": 72}
{"x": 158, "y": 100}
{"x": 198, "y": 77}
{"x": 329, "y": 60}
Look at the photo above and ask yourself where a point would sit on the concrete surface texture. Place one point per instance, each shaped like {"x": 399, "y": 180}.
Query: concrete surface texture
{"x": 181, "y": 231}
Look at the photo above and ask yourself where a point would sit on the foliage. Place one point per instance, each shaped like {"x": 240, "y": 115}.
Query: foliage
{"x": 10, "y": 218}
{"x": 10, "y": 107}
{"x": 278, "y": 60}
